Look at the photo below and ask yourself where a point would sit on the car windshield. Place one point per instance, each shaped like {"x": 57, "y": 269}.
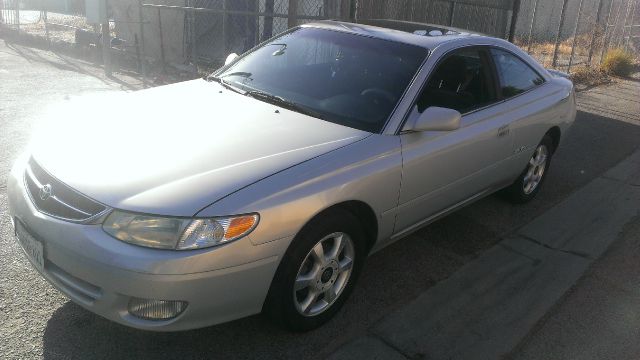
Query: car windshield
{"x": 344, "y": 78}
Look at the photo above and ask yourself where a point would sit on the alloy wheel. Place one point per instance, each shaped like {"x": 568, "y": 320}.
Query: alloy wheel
{"x": 535, "y": 170}
{"x": 324, "y": 274}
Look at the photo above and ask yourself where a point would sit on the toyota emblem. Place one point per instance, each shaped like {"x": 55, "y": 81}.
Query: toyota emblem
{"x": 46, "y": 192}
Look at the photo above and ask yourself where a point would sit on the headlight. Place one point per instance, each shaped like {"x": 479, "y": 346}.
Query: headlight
{"x": 177, "y": 233}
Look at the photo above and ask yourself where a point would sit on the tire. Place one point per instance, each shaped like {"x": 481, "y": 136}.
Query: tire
{"x": 301, "y": 263}
{"x": 523, "y": 189}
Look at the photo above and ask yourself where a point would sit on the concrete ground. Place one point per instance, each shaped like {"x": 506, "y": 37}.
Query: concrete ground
{"x": 38, "y": 322}
{"x": 600, "y": 317}
{"x": 487, "y": 309}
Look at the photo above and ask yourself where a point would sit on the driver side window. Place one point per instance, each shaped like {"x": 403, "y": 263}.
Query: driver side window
{"x": 461, "y": 81}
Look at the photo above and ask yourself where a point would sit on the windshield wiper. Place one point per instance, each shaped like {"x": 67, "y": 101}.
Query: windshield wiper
{"x": 226, "y": 84}
{"x": 277, "y": 100}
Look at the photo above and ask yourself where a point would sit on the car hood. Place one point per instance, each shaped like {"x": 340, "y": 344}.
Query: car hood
{"x": 175, "y": 149}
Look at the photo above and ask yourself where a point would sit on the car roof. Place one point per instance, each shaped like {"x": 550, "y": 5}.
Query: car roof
{"x": 408, "y": 32}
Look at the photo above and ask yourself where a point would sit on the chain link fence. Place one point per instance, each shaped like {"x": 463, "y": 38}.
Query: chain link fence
{"x": 565, "y": 33}
{"x": 188, "y": 35}
{"x": 53, "y": 20}
{"x": 491, "y": 17}
{"x": 211, "y": 29}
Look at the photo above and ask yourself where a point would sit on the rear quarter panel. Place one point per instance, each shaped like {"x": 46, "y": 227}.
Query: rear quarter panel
{"x": 536, "y": 112}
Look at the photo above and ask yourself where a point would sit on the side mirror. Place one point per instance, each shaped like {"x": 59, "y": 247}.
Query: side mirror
{"x": 230, "y": 58}
{"x": 435, "y": 119}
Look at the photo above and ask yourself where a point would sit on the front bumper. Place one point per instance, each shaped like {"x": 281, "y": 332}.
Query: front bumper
{"x": 102, "y": 274}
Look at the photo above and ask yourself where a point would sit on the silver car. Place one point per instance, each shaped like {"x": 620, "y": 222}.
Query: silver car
{"x": 264, "y": 187}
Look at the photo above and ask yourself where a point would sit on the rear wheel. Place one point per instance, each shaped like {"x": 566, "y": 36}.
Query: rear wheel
{"x": 530, "y": 180}
{"x": 318, "y": 272}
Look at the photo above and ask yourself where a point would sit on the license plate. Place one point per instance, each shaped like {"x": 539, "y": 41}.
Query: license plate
{"x": 32, "y": 247}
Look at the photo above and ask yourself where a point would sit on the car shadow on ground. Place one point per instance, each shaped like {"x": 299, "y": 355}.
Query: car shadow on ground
{"x": 393, "y": 277}
{"x": 390, "y": 281}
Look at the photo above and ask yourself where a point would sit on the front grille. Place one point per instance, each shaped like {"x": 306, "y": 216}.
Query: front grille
{"x": 54, "y": 198}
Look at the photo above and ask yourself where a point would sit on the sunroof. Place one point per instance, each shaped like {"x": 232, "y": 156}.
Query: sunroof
{"x": 435, "y": 32}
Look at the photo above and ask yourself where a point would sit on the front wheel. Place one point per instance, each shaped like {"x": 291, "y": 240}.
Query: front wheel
{"x": 530, "y": 180}
{"x": 318, "y": 272}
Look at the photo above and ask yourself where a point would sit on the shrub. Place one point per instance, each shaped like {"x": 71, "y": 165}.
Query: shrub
{"x": 617, "y": 62}
{"x": 589, "y": 76}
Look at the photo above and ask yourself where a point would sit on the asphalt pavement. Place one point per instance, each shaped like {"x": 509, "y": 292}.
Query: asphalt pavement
{"x": 36, "y": 321}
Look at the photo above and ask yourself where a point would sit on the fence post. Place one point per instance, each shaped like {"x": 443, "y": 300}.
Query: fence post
{"x": 225, "y": 26}
{"x": 452, "y": 13}
{"x": 292, "y": 18}
{"x": 514, "y": 20}
{"x": 624, "y": 22}
{"x": 18, "y": 16}
{"x": 630, "y": 36}
{"x": 575, "y": 36}
{"x": 253, "y": 22}
{"x": 626, "y": 18}
{"x": 106, "y": 48}
{"x": 606, "y": 29}
{"x": 595, "y": 31}
{"x": 557, "y": 45}
{"x": 413, "y": 9}
{"x": 533, "y": 21}
{"x": 194, "y": 41}
{"x": 142, "y": 61}
{"x": 46, "y": 25}
{"x": 353, "y": 10}
{"x": 161, "y": 38}
{"x": 267, "y": 29}
{"x": 106, "y": 42}
{"x": 615, "y": 24}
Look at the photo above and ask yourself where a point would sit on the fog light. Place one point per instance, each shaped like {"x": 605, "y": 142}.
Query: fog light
{"x": 149, "y": 309}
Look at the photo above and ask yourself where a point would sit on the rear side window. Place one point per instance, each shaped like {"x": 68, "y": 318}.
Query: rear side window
{"x": 515, "y": 75}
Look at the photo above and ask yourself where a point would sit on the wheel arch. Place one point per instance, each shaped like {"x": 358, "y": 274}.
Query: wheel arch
{"x": 555, "y": 135}
{"x": 368, "y": 222}
{"x": 361, "y": 210}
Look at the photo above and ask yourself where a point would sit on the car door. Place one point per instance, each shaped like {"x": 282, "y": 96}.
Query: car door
{"x": 442, "y": 169}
